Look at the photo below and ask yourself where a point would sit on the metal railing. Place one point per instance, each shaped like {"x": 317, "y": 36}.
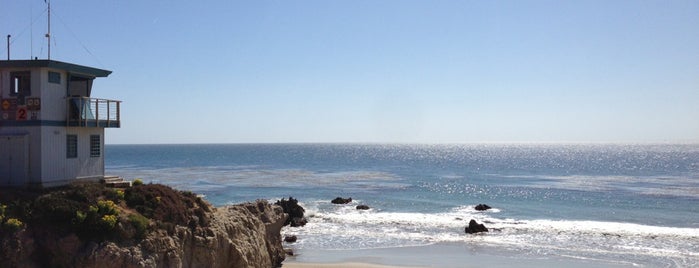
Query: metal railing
{"x": 93, "y": 112}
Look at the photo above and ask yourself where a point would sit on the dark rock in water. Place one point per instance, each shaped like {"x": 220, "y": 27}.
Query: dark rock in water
{"x": 290, "y": 239}
{"x": 362, "y": 207}
{"x": 474, "y": 227}
{"x": 294, "y": 210}
{"x": 289, "y": 251}
{"x": 298, "y": 222}
{"x": 482, "y": 207}
{"x": 340, "y": 200}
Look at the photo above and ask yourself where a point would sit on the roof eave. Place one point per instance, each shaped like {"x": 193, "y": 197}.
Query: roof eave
{"x": 70, "y": 67}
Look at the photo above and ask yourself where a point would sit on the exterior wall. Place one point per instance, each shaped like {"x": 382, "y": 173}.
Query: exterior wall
{"x": 14, "y": 160}
{"x": 53, "y": 97}
{"x": 32, "y": 133}
{"x": 57, "y": 169}
{"x": 31, "y": 153}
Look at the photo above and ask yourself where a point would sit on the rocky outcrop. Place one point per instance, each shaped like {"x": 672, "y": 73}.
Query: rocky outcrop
{"x": 244, "y": 235}
{"x": 362, "y": 207}
{"x": 290, "y": 239}
{"x": 474, "y": 227}
{"x": 341, "y": 201}
{"x": 294, "y": 210}
{"x": 482, "y": 207}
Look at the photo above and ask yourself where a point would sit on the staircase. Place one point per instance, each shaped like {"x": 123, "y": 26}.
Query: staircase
{"x": 116, "y": 182}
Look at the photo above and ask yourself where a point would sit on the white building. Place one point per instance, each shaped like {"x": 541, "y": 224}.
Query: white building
{"x": 51, "y": 129}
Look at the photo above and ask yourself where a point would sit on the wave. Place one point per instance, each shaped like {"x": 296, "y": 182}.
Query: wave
{"x": 343, "y": 227}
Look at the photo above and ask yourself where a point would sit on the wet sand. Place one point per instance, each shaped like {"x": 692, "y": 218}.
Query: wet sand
{"x": 438, "y": 255}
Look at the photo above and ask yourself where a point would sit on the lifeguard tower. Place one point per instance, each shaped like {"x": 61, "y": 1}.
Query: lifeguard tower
{"x": 51, "y": 128}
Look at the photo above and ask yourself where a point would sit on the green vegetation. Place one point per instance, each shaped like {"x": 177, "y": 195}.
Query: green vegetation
{"x": 9, "y": 225}
{"x": 96, "y": 213}
{"x": 12, "y": 225}
{"x": 160, "y": 203}
{"x": 3, "y": 208}
{"x": 140, "y": 223}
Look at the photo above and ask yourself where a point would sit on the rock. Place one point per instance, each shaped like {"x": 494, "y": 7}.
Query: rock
{"x": 298, "y": 222}
{"x": 289, "y": 251}
{"x": 482, "y": 207}
{"x": 341, "y": 201}
{"x": 362, "y": 207}
{"x": 244, "y": 235}
{"x": 294, "y": 210}
{"x": 474, "y": 227}
{"x": 290, "y": 238}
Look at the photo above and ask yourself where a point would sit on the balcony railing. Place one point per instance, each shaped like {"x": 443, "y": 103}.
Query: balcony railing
{"x": 92, "y": 112}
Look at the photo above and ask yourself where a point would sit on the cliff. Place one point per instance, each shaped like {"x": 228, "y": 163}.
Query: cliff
{"x": 196, "y": 235}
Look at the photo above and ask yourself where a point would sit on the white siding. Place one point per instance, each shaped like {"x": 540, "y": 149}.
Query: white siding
{"x": 14, "y": 160}
{"x": 33, "y": 150}
{"x": 57, "y": 168}
{"x": 53, "y": 97}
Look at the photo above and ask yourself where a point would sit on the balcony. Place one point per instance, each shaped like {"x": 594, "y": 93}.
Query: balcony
{"x": 92, "y": 112}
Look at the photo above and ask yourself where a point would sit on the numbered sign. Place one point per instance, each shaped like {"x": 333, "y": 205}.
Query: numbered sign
{"x": 33, "y": 104}
{"x": 21, "y": 114}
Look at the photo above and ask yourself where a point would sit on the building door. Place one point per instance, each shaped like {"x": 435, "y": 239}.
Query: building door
{"x": 14, "y": 164}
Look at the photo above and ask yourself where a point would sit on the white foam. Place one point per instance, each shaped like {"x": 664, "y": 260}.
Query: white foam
{"x": 343, "y": 227}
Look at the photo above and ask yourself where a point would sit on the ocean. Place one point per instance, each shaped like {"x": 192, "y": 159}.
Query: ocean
{"x": 607, "y": 204}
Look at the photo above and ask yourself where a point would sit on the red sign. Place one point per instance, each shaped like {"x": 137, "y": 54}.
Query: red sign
{"x": 21, "y": 114}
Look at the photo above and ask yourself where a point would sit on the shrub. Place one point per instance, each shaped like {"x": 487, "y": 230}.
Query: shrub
{"x": 137, "y": 182}
{"x": 107, "y": 207}
{"x": 2, "y": 212}
{"x": 55, "y": 210}
{"x": 120, "y": 194}
{"x": 12, "y": 225}
{"x": 108, "y": 221}
{"x": 139, "y": 223}
{"x": 98, "y": 222}
{"x": 162, "y": 203}
{"x": 93, "y": 210}
{"x": 80, "y": 217}
{"x": 116, "y": 195}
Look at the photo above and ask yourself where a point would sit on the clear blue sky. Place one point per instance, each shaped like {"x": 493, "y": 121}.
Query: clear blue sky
{"x": 380, "y": 71}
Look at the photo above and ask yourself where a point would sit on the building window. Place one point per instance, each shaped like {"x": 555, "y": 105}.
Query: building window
{"x": 71, "y": 146}
{"x": 95, "y": 148}
{"x": 20, "y": 83}
{"x": 54, "y": 77}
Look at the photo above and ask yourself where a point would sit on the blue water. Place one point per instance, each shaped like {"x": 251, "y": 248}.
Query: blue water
{"x": 625, "y": 204}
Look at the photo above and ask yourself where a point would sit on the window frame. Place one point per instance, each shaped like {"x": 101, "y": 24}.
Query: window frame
{"x": 95, "y": 145}
{"x": 21, "y": 83}
{"x": 54, "y": 77}
{"x": 71, "y": 146}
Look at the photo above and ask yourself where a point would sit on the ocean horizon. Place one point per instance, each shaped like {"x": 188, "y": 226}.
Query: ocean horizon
{"x": 614, "y": 204}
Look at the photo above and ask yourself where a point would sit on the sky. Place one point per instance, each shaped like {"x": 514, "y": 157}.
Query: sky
{"x": 379, "y": 71}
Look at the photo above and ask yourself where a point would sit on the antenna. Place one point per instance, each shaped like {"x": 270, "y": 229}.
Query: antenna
{"x": 48, "y": 34}
{"x": 8, "y": 46}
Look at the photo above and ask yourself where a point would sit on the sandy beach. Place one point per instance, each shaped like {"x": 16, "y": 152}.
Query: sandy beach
{"x": 436, "y": 255}
{"x": 337, "y": 265}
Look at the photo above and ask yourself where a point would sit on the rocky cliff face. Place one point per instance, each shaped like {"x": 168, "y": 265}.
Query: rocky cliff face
{"x": 244, "y": 235}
